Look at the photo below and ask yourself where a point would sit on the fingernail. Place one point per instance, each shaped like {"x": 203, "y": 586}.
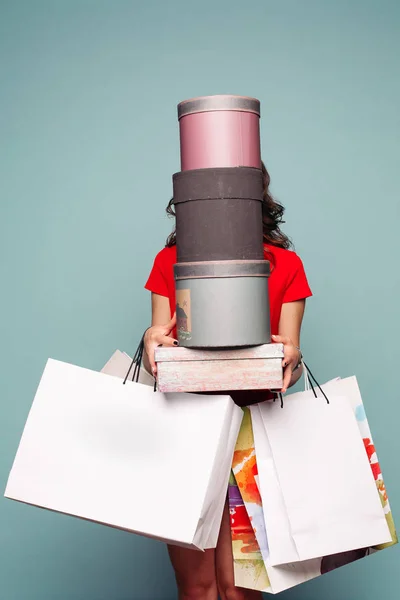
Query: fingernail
{"x": 176, "y": 343}
{"x": 274, "y": 336}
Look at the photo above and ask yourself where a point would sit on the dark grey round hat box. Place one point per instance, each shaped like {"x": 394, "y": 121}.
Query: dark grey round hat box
{"x": 222, "y": 304}
{"x": 219, "y": 214}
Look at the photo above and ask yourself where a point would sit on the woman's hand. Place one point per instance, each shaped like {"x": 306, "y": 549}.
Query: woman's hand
{"x": 158, "y": 335}
{"x": 291, "y": 359}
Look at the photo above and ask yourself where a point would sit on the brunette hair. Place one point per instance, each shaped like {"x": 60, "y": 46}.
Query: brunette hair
{"x": 272, "y": 217}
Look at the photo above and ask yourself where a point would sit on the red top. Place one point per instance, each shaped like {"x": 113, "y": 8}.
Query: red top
{"x": 287, "y": 282}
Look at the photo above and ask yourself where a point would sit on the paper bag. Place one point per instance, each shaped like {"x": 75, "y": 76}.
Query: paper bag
{"x": 101, "y": 450}
{"x": 252, "y": 565}
{"x": 327, "y": 488}
{"x": 255, "y": 571}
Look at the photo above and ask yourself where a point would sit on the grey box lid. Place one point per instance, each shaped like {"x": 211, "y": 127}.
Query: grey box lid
{"x": 214, "y": 269}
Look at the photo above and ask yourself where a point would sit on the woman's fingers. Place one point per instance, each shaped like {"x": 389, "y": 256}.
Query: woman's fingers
{"x": 287, "y": 376}
{"x": 150, "y": 354}
{"x": 159, "y": 335}
{"x": 281, "y": 339}
{"x": 161, "y": 340}
{"x": 165, "y": 340}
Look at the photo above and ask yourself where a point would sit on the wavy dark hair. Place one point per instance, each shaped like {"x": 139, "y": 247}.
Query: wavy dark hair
{"x": 272, "y": 217}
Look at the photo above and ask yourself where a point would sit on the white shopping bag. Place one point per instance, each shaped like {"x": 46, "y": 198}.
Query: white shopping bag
{"x": 318, "y": 491}
{"x": 252, "y": 564}
{"x": 105, "y": 451}
{"x": 289, "y": 574}
{"x": 118, "y": 366}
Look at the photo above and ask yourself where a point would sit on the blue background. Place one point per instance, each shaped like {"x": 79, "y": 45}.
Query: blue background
{"x": 89, "y": 141}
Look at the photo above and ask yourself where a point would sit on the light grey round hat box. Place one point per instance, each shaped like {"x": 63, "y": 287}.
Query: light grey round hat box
{"x": 222, "y": 304}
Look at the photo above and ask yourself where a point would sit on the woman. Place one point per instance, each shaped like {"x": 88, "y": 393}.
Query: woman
{"x": 207, "y": 575}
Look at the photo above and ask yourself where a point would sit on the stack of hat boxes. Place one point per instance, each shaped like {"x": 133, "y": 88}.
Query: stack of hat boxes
{"x": 221, "y": 275}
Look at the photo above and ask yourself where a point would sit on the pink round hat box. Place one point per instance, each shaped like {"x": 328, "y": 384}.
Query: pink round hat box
{"x": 219, "y": 131}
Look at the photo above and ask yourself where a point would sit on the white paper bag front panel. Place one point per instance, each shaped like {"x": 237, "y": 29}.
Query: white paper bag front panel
{"x": 281, "y": 545}
{"x": 118, "y": 454}
{"x": 276, "y": 519}
{"x": 326, "y": 480}
{"x": 221, "y": 477}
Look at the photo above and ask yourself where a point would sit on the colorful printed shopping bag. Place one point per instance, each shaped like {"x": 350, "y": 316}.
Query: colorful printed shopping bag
{"x": 278, "y": 578}
{"x": 246, "y": 514}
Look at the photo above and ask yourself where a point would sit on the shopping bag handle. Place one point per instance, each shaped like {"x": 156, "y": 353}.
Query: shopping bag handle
{"x": 308, "y": 381}
{"x": 137, "y": 362}
{"x": 308, "y": 376}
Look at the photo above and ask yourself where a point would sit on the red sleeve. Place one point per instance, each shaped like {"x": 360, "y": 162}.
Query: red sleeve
{"x": 297, "y": 287}
{"x": 157, "y": 281}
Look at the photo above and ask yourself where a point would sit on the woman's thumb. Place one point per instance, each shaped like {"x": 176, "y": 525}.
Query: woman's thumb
{"x": 277, "y": 338}
{"x": 171, "y": 324}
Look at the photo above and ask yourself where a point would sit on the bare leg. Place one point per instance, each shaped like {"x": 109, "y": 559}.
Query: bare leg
{"x": 224, "y": 566}
{"x": 194, "y": 573}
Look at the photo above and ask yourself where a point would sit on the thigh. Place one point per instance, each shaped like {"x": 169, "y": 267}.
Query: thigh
{"x": 194, "y": 573}
{"x": 224, "y": 566}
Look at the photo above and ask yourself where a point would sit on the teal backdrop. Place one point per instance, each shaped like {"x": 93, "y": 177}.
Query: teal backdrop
{"x": 89, "y": 141}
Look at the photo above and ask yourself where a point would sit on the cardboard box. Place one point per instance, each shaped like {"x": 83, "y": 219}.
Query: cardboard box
{"x": 189, "y": 370}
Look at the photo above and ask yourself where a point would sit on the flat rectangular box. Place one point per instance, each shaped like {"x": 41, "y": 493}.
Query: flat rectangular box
{"x": 189, "y": 370}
